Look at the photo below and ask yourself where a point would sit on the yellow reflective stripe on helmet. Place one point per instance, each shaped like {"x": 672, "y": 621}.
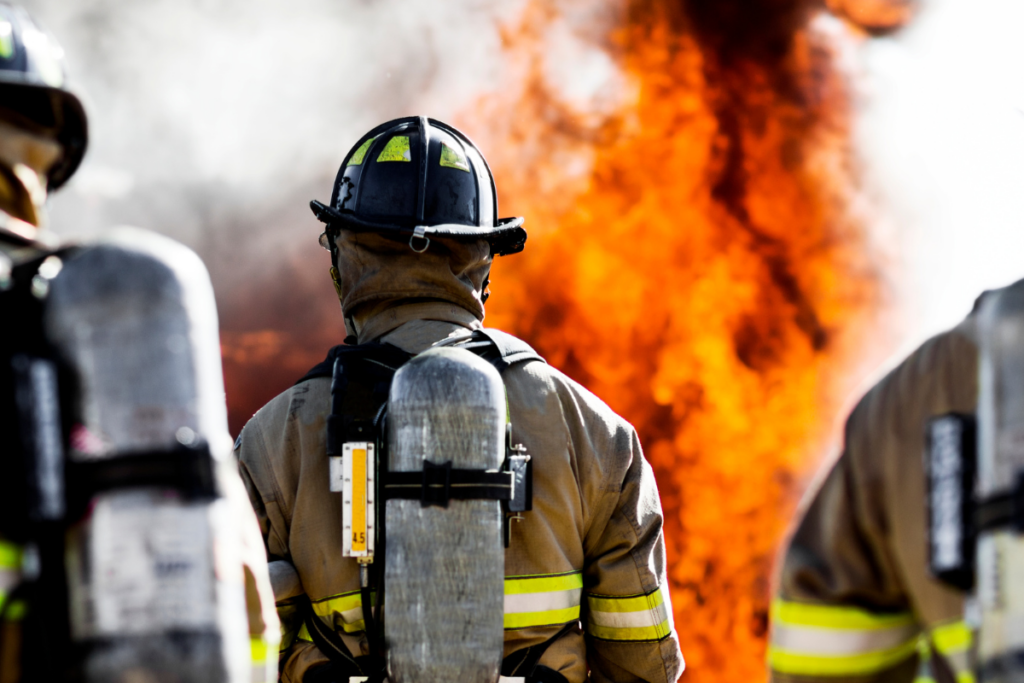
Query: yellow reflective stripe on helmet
{"x": 10, "y": 555}
{"x": 397, "y": 149}
{"x": 542, "y": 600}
{"x": 453, "y": 158}
{"x": 359, "y": 154}
{"x": 636, "y": 617}
{"x": 348, "y": 606}
{"x": 6, "y": 39}
{"x": 831, "y": 640}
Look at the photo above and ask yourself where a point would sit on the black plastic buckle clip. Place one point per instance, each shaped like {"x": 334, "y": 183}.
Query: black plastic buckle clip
{"x": 437, "y": 484}
{"x": 520, "y": 466}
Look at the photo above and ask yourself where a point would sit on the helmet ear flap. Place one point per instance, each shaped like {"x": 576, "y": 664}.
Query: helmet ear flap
{"x": 326, "y": 240}
{"x": 335, "y": 278}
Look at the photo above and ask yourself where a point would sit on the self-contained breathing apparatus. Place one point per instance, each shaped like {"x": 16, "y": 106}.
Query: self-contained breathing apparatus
{"x": 975, "y": 472}
{"x": 116, "y": 430}
{"x": 428, "y": 436}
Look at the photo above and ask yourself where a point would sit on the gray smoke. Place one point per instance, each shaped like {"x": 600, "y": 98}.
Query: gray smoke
{"x": 215, "y": 121}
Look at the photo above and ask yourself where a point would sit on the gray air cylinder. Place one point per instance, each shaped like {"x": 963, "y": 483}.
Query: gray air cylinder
{"x": 154, "y": 567}
{"x": 1000, "y": 550}
{"x": 444, "y": 566}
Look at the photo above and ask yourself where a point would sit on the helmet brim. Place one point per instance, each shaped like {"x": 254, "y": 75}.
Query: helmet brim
{"x": 506, "y": 237}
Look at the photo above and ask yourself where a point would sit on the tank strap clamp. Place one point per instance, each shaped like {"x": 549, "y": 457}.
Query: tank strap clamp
{"x": 438, "y": 484}
{"x": 187, "y": 469}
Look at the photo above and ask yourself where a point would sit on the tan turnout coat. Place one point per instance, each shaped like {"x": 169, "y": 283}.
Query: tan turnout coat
{"x": 855, "y": 600}
{"x": 590, "y": 553}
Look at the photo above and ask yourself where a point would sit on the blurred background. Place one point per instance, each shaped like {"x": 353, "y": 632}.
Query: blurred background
{"x": 739, "y": 210}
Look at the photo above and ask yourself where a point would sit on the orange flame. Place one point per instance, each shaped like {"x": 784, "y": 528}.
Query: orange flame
{"x": 705, "y": 276}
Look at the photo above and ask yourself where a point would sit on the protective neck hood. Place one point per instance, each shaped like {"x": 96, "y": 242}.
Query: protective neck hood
{"x": 25, "y": 158}
{"x": 377, "y": 275}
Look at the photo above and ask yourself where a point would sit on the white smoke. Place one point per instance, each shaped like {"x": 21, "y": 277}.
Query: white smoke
{"x": 942, "y": 132}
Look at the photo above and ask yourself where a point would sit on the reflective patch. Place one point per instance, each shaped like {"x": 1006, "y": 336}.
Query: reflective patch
{"x": 6, "y": 39}
{"x": 629, "y": 618}
{"x": 397, "y": 149}
{"x": 824, "y": 640}
{"x": 360, "y": 154}
{"x": 262, "y": 670}
{"x": 15, "y": 612}
{"x": 454, "y": 158}
{"x": 258, "y": 649}
{"x": 348, "y": 606}
{"x": 954, "y": 642}
{"x": 954, "y": 637}
{"x": 45, "y": 55}
{"x": 10, "y": 555}
{"x": 542, "y": 600}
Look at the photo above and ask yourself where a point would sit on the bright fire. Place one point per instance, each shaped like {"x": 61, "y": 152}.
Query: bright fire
{"x": 705, "y": 277}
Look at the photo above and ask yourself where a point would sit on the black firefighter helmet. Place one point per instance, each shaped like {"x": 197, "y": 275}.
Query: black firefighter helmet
{"x": 415, "y": 178}
{"x": 34, "y": 92}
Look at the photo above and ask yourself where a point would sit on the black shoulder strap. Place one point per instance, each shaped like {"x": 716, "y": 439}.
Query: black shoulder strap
{"x": 499, "y": 348}
{"x": 511, "y": 349}
{"x": 343, "y": 663}
{"x": 381, "y": 353}
{"x": 524, "y": 662}
{"x": 361, "y": 381}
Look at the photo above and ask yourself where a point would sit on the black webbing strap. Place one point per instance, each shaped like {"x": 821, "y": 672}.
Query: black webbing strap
{"x": 524, "y": 662}
{"x": 330, "y": 644}
{"x": 999, "y": 511}
{"x": 186, "y": 469}
{"x": 437, "y": 484}
{"x": 1002, "y": 510}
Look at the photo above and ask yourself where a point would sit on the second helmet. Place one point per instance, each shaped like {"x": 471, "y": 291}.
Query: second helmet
{"x": 415, "y": 178}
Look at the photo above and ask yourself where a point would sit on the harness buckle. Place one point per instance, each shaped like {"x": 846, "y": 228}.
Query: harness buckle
{"x": 437, "y": 483}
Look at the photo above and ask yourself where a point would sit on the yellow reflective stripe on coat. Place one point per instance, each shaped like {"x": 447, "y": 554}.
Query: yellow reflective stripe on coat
{"x": 634, "y": 617}
{"x": 10, "y": 571}
{"x": 542, "y": 600}
{"x": 349, "y": 606}
{"x": 15, "y": 612}
{"x": 828, "y": 640}
{"x": 10, "y": 555}
{"x": 954, "y": 642}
